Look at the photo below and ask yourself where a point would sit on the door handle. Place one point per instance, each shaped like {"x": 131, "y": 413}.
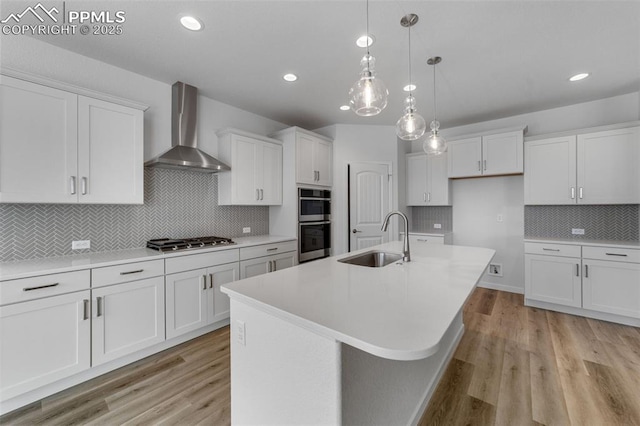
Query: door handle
{"x": 424, "y": 197}
{"x": 573, "y": 193}
{"x": 257, "y": 195}
{"x": 275, "y": 266}
{"x": 72, "y": 183}
{"x": 479, "y": 169}
{"x": 485, "y": 165}
{"x": 210, "y": 280}
{"x": 429, "y": 196}
{"x": 204, "y": 282}
{"x": 318, "y": 175}
{"x": 100, "y": 306}
{"x": 577, "y": 269}
{"x": 269, "y": 266}
{"x": 85, "y": 309}
{"x": 580, "y": 192}
{"x": 83, "y": 183}
{"x": 355, "y": 231}
{"x": 261, "y": 194}
{"x": 586, "y": 271}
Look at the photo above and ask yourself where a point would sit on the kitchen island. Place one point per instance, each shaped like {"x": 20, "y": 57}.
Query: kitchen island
{"x": 333, "y": 343}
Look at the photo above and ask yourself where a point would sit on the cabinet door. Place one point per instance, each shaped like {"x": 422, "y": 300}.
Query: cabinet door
{"x": 465, "y": 157}
{"x": 38, "y": 143}
{"x": 417, "y": 179}
{"x": 553, "y": 279}
{"x": 245, "y": 167}
{"x": 271, "y": 182}
{"x": 612, "y": 287}
{"x": 219, "y": 302}
{"x": 110, "y": 153}
{"x": 323, "y": 157}
{"x": 608, "y": 171}
{"x": 305, "y": 168}
{"x": 43, "y": 341}
{"x": 252, "y": 267}
{"x": 283, "y": 261}
{"x": 502, "y": 153}
{"x": 186, "y": 295}
{"x": 438, "y": 181}
{"x": 127, "y": 318}
{"x": 550, "y": 171}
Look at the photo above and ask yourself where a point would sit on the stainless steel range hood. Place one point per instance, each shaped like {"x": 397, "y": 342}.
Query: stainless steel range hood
{"x": 184, "y": 154}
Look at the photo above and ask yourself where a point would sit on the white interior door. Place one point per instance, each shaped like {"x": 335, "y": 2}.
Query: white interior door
{"x": 368, "y": 204}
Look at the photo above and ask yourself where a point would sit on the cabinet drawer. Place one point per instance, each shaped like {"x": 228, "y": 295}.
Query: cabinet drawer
{"x": 43, "y": 286}
{"x": 552, "y": 249}
{"x": 201, "y": 260}
{"x": 267, "y": 249}
{"x": 126, "y": 272}
{"x": 426, "y": 239}
{"x": 610, "y": 253}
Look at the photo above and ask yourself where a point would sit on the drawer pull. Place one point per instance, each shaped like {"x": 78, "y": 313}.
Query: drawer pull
{"x": 40, "y": 287}
{"x": 422, "y": 240}
{"x": 85, "y": 310}
{"x": 548, "y": 249}
{"x": 137, "y": 271}
{"x": 616, "y": 254}
{"x": 273, "y": 249}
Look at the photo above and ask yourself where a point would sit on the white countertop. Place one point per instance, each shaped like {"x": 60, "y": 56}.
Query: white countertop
{"x": 54, "y": 265}
{"x": 397, "y": 312}
{"x": 594, "y": 243}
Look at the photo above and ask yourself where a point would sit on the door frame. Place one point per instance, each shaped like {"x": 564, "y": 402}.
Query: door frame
{"x": 391, "y": 230}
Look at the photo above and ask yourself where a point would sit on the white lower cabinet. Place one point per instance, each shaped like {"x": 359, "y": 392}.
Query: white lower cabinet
{"x": 594, "y": 279}
{"x": 126, "y": 318}
{"x": 263, "y": 265}
{"x": 43, "y": 341}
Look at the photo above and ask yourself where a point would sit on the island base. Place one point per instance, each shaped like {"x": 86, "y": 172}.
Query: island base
{"x": 282, "y": 373}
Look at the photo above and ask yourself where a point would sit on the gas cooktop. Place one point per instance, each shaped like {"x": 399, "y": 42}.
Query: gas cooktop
{"x": 168, "y": 244}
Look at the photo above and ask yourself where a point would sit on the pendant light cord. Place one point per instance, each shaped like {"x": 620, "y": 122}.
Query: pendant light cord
{"x": 435, "y": 115}
{"x": 410, "y": 82}
{"x": 367, "y": 40}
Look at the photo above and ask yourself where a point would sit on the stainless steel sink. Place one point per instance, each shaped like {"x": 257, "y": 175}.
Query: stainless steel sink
{"x": 372, "y": 259}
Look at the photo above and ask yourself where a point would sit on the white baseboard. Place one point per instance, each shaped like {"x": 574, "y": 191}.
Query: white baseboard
{"x": 501, "y": 287}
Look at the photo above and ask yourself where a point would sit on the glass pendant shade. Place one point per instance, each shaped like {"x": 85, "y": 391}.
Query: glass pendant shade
{"x": 368, "y": 95}
{"x": 411, "y": 125}
{"x": 434, "y": 144}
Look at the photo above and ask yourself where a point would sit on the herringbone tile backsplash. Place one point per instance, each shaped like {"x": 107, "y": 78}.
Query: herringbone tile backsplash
{"x": 177, "y": 204}
{"x": 423, "y": 219}
{"x": 611, "y": 222}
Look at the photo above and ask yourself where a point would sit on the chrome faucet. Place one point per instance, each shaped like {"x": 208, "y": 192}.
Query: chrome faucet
{"x": 406, "y": 255}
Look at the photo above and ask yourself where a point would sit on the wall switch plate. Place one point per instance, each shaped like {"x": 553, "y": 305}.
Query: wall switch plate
{"x": 437, "y": 225}
{"x": 495, "y": 269}
{"x": 79, "y": 245}
{"x": 500, "y": 218}
{"x": 577, "y": 231}
{"x": 246, "y": 230}
{"x": 241, "y": 333}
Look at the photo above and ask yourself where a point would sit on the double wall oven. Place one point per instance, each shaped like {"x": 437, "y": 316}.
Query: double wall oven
{"x": 314, "y": 224}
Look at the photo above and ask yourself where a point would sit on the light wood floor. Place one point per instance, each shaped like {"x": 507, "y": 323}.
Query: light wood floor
{"x": 515, "y": 365}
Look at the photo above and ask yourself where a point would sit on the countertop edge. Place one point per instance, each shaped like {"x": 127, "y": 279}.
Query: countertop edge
{"x": 593, "y": 243}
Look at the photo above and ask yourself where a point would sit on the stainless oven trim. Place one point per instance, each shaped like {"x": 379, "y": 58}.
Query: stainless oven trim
{"x": 314, "y": 218}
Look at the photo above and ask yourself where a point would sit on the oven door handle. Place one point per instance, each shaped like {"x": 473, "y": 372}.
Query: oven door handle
{"x": 324, "y": 222}
{"x": 314, "y": 199}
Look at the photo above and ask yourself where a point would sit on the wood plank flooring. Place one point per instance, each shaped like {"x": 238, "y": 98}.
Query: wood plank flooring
{"x": 514, "y": 366}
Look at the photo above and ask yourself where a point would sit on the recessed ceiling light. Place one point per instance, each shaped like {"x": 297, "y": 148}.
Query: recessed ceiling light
{"x": 362, "y": 40}
{"x": 191, "y": 23}
{"x": 409, "y": 87}
{"x": 345, "y": 108}
{"x": 579, "y": 77}
{"x": 290, "y": 77}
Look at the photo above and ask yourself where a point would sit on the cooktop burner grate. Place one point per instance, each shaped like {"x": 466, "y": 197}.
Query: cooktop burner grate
{"x": 169, "y": 244}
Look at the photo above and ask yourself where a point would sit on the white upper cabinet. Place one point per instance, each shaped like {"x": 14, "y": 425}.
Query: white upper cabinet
{"x": 60, "y": 147}
{"x": 591, "y": 168}
{"x": 427, "y": 181}
{"x": 487, "y": 155}
{"x": 313, "y": 160}
{"x": 256, "y": 169}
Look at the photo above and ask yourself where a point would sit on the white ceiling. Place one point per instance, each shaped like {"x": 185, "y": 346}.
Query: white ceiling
{"x": 500, "y": 58}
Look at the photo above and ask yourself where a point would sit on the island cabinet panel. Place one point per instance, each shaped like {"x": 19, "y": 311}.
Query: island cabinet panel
{"x": 127, "y": 318}
{"x": 61, "y": 147}
{"x": 43, "y": 341}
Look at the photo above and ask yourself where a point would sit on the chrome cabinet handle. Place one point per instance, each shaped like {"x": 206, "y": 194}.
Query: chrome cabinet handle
{"x": 424, "y": 197}
{"x": 548, "y": 249}
{"x": 586, "y": 271}
{"x": 137, "y": 271}
{"x": 85, "y": 310}
{"x": 204, "y": 282}
{"x": 272, "y": 249}
{"x": 262, "y": 194}
{"x": 100, "y": 306}
{"x": 40, "y": 287}
{"x": 429, "y": 196}
{"x": 269, "y": 266}
{"x": 257, "y": 194}
{"x": 318, "y": 175}
{"x": 485, "y": 164}
{"x": 72, "y": 183}
{"x": 275, "y": 265}
{"x": 422, "y": 240}
{"x": 355, "y": 231}
{"x": 616, "y": 254}
{"x": 210, "y": 280}
{"x": 577, "y": 269}
{"x": 83, "y": 183}
{"x": 573, "y": 193}
{"x": 580, "y": 192}
{"x": 479, "y": 169}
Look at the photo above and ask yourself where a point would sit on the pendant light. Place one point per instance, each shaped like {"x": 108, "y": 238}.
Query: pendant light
{"x": 434, "y": 144}
{"x": 411, "y": 125}
{"x": 368, "y": 95}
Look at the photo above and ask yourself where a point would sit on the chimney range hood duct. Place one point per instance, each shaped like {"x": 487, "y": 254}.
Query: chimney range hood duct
{"x": 184, "y": 153}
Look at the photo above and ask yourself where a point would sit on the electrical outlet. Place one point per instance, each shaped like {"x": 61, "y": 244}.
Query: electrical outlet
{"x": 437, "y": 225}
{"x": 79, "y": 245}
{"x": 241, "y": 333}
{"x": 500, "y": 218}
{"x": 246, "y": 230}
{"x": 495, "y": 269}
{"x": 577, "y": 231}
